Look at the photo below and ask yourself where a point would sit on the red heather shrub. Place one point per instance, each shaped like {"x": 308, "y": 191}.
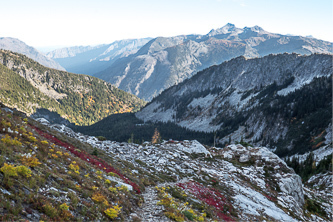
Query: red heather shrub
{"x": 270, "y": 198}
{"x": 101, "y": 164}
{"x": 209, "y": 196}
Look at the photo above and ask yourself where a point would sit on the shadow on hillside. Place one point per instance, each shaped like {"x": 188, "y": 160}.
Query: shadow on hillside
{"x": 52, "y": 117}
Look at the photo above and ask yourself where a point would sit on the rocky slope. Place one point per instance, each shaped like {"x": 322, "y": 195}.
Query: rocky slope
{"x": 47, "y": 176}
{"x": 32, "y": 88}
{"x": 48, "y": 172}
{"x": 280, "y": 101}
{"x": 164, "y": 62}
{"x": 93, "y": 59}
{"x": 18, "y": 46}
{"x": 194, "y": 182}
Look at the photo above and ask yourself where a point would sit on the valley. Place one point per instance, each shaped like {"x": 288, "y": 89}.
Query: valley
{"x": 232, "y": 125}
{"x": 92, "y": 59}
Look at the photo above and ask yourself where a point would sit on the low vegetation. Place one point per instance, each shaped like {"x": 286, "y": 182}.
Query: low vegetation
{"x": 47, "y": 179}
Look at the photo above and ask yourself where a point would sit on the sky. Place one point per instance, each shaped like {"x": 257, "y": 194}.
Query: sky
{"x": 58, "y": 23}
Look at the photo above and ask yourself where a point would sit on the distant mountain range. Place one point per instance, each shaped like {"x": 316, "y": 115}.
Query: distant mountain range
{"x": 281, "y": 101}
{"x": 18, "y": 46}
{"x": 164, "y": 62}
{"x": 145, "y": 67}
{"x": 80, "y": 99}
{"x": 92, "y": 59}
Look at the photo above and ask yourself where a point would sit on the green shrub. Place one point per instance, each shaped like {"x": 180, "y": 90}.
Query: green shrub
{"x": 188, "y": 215}
{"x": 9, "y": 170}
{"x": 49, "y": 210}
{"x": 101, "y": 138}
{"x": 24, "y": 171}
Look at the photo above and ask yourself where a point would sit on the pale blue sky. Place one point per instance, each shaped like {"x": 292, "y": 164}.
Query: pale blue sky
{"x": 89, "y": 22}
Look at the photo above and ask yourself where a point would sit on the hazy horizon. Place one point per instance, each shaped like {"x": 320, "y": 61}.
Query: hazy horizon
{"x": 48, "y": 25}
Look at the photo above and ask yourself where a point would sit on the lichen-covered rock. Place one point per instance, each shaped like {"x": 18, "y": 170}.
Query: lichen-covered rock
{"x": 256, "y": 183}
{"x": 244, "y": 157}
{"x": 292, "y": 185}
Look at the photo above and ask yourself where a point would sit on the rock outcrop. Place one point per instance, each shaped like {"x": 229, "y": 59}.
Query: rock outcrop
{"x": 253, "y": 182}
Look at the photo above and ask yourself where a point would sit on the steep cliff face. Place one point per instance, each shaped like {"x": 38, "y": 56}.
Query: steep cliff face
{"x": 283, "y": 101}
{"x": 164, "y": 62}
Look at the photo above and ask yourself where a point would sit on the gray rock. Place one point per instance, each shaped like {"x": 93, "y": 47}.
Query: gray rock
{"x": 244, "y": 157}
{"x": 36, "y": 215}
{"x": 26, "y": 191}
{"x": 292, "y": 185}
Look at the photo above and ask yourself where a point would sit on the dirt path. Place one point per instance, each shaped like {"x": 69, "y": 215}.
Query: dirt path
{"x": 150, "y": 211}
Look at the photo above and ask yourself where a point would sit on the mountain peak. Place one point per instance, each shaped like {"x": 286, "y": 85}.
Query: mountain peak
{"x": 228, "y": 28}
{"x": 16, "y": 45}
{"x": 229, "y": 25}
{"x": 233, "y": 30}
{"x": 255, "y": 28}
